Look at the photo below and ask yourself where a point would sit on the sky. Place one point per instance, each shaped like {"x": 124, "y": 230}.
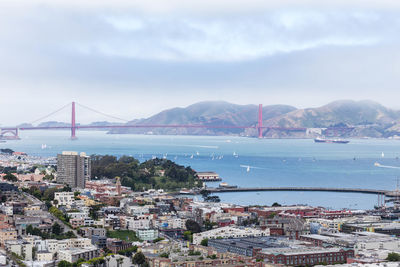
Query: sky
{"x": 132, "y": 59}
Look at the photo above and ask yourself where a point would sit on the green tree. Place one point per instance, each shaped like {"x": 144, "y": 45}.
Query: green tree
{"x": 64, "y": 264}
{"x": 139, "y": 258}
{"x": 276, "y": 204}
{"x": 3, "y": 198}
{"x": 204, "y": 242}
{"x": 393, "y": 256}
{"x": 10, "y": 177}
{"x": 193, "y": 226}
{"x": 187, "y": 235}
{"x": 56, "y": 229}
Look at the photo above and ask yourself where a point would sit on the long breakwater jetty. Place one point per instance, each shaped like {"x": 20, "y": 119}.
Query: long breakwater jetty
{"x": 381, "y": 192}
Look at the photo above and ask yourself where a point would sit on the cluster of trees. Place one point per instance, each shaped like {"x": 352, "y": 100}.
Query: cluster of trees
{"x": 60, "y": 215}
{"x": 145, "y": 175}
{"x": 393, "y": 256}
{"x": 6, "y": 151}
{"x": 56, "y": 232}
{"x": 207, "y": 197}
{"x": 10, "y": 177}
{"x": 128, "y": 252}
{"x": 46, "y": 195}
{"x": 192, "y": 228}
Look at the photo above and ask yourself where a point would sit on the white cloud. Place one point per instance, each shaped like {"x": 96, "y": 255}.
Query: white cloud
{"x": 233, "y": 38}
{"x": 158, "y": 53}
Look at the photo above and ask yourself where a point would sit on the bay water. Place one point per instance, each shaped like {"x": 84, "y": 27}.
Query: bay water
{"x": 273, "y": 162}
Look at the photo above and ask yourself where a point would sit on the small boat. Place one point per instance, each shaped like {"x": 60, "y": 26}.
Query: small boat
{"x": 334, "y": 141}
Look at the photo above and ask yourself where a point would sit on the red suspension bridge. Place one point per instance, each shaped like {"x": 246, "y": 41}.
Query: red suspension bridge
{"x": 12, "y": 133}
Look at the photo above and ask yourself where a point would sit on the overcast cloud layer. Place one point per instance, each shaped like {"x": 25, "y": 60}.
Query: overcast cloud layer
{"x": 134, "y": 59}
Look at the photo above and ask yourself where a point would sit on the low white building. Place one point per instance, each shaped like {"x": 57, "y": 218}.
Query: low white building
{"x": 44, "y": 256}
{"x": 53, "y": 245}
{"x": 147, "y": 234}
{"x": 229, "y": 232}
{"x": 112, "y": 262}
{"x": 64, "y": 199}
{"x": 73, "y": 254}
{"x": 20, "y": 248}
{"x": 140, "y": 222}
{"x": 78, "y": 215}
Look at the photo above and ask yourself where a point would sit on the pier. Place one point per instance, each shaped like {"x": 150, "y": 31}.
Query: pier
{"x": 387, "y": 193}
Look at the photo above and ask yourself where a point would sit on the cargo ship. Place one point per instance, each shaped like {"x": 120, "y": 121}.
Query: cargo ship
{"x": 335, "y": 141}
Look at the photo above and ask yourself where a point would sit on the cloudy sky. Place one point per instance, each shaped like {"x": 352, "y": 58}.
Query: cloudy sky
{"x": 133, "y": 58}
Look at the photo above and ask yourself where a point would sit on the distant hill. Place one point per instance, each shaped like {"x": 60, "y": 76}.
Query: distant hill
{"x": 344, "y": 118}
{"x": 207, "y": 113}
{"x": 343, "y": 112}
{"x": 368, "y": 118}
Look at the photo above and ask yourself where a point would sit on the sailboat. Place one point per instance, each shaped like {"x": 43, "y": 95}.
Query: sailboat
{"x": 246, "y": 166}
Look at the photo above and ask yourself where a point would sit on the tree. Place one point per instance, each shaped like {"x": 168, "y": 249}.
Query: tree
{"x": 214, "y": 199}
{"x": 205, "y": 193}
{"x": 10, "y": 177}
{"x": 56, "y": 229}
{"x": 139, "y": 258}
{"x": 48, "y": 204}
{"x": 393, "y": 256}
{"x": 193, "y": 226}
{"x": 187, "y": 235}
{"x": 64, "y": 264}
{"x": 276, "y": 204}
{"x": 204, "y": 242}
{"x": 3, "y": 198}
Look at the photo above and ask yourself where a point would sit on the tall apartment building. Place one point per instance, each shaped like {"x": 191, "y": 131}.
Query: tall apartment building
{"x": 73, "y": 169}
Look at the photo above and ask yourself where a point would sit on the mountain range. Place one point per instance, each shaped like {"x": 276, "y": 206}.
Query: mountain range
{"x": 343, "y": 118}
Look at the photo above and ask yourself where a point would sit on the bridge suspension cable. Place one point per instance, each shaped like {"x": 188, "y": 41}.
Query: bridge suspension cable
{"x": 101, "y": 113}
{"x": 50, "y": 114}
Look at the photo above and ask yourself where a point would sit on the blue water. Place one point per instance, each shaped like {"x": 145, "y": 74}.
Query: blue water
{"x": 276, "y": 162}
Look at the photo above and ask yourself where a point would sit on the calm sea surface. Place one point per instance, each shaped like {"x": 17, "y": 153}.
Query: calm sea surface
{"x": 277, "y": 162}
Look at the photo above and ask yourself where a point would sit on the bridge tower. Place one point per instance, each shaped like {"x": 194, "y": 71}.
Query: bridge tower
{"x": 259, "y": 128}
{"x": 73, "y": 124}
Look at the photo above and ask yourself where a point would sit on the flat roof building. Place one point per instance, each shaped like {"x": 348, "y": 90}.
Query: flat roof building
{"x": 73, "y": 169}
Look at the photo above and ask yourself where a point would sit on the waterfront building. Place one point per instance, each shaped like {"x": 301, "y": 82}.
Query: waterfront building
{"x": 208, "y": 176}
{"x": 73, "y": 169}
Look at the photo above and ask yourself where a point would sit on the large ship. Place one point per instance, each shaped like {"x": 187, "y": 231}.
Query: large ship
{"x": 335, "y": 141}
